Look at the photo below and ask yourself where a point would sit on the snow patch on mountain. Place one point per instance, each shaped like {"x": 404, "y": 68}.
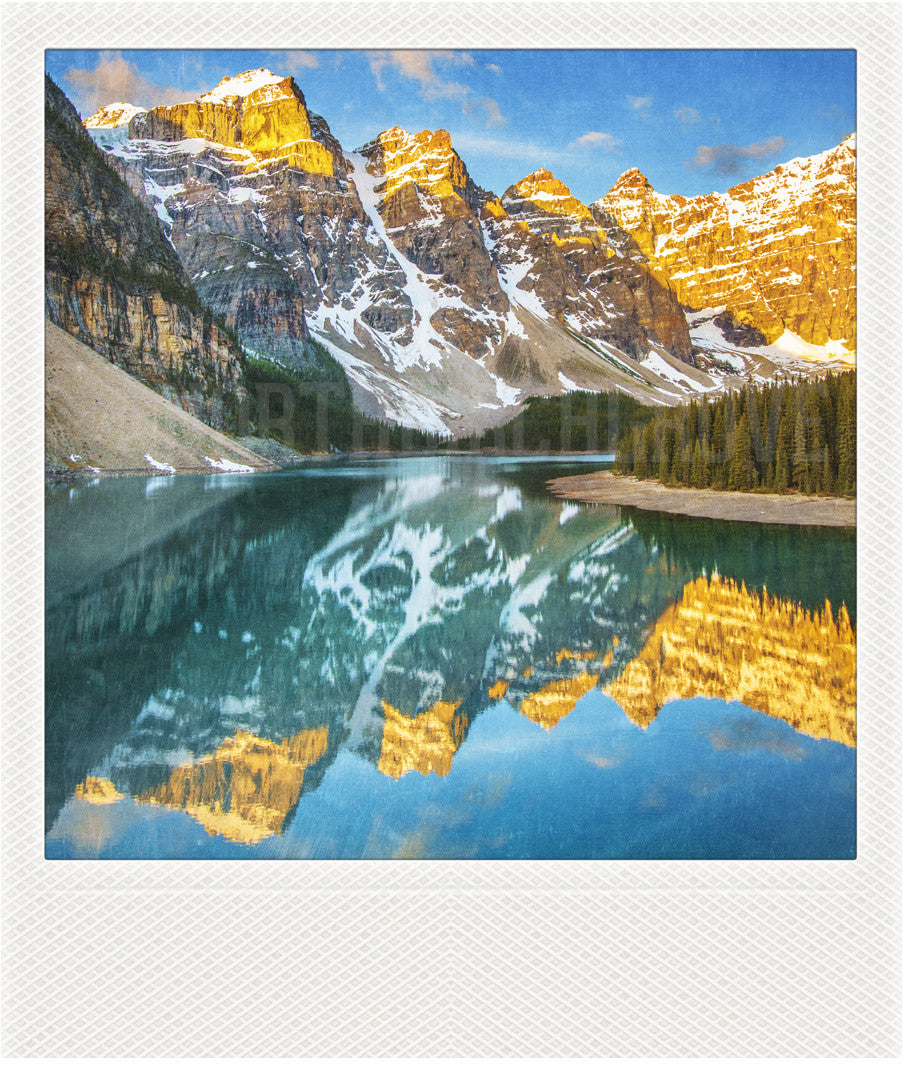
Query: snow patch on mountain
{"x": 240, "y": 86}
{"x": 402, "y": 404}
{"x": 510, "y": 277}
{"x": 660, "y": 366}
{"x": 789, "y": 351}
{"x": 113, "y": 116}
{"x": 426, "y": 347}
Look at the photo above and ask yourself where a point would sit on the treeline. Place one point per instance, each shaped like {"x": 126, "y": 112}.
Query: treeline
{"x": 576, "y": 421}
{"x": 310, "y": 408}
{"x": 796, "y": 436}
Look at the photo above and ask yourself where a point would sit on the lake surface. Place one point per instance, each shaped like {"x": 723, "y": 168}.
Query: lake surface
{"x": 433, "y": 658}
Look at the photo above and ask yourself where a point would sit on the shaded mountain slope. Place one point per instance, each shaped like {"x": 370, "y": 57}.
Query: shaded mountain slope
{"x": 108, "y": 420}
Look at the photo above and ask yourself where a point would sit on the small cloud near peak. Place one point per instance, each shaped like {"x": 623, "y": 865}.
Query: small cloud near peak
{"x": 488, "y": 106}
{"x": 729, "y": 158}
{"x": 423, "y": 66}
{"x": 595, "y": 139}
{"x": 294, "y": 61}
{"x": 113, "y": 78}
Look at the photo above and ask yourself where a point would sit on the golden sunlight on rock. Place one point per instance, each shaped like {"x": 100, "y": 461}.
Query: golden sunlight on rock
{"x": 247, "y": 788}
{"x": 551, "y": 195}
{"x": 575, "y": 656}
{"x": 302, "y": 155}
{"x": 271, "y": 122}
{"x": 425, "y": 159}
{"x": 557, "y": 699}
{"x": 497, "y": 691}
{"x": 99, "y": 791}
{"x": 780, "y": 249}
{"x": 425, "y": 743}
{"x": 722, "y": 641}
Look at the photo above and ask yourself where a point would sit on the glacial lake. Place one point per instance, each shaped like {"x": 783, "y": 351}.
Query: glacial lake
{"x": 434, "y": 658}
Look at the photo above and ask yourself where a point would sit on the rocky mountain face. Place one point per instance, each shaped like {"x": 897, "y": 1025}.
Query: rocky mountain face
{"x": 777, "y": 253}
{"x": 113, "y": 280}
{"x": 445, "y": 308}
{"x": 446, "y": 305}
{"x": 590, "y": 276}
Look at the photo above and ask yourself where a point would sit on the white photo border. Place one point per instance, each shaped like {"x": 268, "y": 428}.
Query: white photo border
{"x": 453, "y": 958}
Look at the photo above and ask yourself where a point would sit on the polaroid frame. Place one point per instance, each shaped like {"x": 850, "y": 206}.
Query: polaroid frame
{"x": 454, "y": 958}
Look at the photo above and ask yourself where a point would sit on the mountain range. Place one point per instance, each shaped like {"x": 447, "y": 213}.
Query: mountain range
{"x": 183, "y": 239}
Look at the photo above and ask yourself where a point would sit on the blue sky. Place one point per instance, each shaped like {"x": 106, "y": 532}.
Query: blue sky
{"x": 692, "y": 121}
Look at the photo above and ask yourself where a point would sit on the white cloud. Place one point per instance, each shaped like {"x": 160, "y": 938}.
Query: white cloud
{"x": 640, "y": 103}
{"x": 594, "y": 139}
{"x": 504, "y": 148}
{"x": 490, "y": 108}
{"x": 688, "y": 116}
{"x": 422, "y": 66}
{"x": 295, "y": 62}
{"x": 494, "y": 67}
{"x": 114, "y": 79}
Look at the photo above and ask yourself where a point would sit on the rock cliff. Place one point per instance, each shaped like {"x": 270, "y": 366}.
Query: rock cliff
{"x": 113, "y": 280}
{"x": 777, "y": 252}
{"x": 584, "y": 278}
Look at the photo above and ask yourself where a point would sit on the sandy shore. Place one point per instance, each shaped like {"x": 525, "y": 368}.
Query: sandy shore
{"x": 707, "y": 503}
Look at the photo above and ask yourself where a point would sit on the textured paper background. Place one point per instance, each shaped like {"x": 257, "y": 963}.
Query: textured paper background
{"x": 672, "y": 959}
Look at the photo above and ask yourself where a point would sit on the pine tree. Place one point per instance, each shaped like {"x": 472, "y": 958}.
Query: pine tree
{"x": 718, "y": 456}
{"x": 826, "y": 476}
{"x": 799, "y": 473}
{"x": 740, "y": 474}
{"x": 781, "y": 470}
{"x": 846, "y": 440}
{"x": 641, "y": 458}
{"x": 697, "y": 468}
{"x": 799, "y": 434}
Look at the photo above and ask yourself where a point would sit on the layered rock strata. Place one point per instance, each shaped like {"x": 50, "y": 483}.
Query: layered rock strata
{"x": 448, "y": 306}
{"x": 779, "y": 251}
{"x": 444, "y": 312}
{"x": 113, "y": 280}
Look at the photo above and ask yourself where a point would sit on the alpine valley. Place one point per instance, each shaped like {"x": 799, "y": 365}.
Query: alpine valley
{"x": 183, "y": 240}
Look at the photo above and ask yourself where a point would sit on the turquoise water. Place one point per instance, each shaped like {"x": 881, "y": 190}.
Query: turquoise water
{"x": 432, "y": 658}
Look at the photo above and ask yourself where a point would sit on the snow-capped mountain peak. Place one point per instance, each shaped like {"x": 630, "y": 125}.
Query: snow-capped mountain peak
{"x": 779, "y": 249}
{"x": 241, "y": 85}
{"x": 114, "y": 115}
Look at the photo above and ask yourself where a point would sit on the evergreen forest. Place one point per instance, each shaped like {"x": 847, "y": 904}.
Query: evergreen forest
{"x": 797, "y": 436}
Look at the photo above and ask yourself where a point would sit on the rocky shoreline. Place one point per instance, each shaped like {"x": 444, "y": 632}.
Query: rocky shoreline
{"x": 766, "y": 508}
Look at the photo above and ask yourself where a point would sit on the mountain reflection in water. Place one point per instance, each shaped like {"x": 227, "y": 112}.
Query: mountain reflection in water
{"x": 723, "y": 642}
{"x": 395, "y": 614}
